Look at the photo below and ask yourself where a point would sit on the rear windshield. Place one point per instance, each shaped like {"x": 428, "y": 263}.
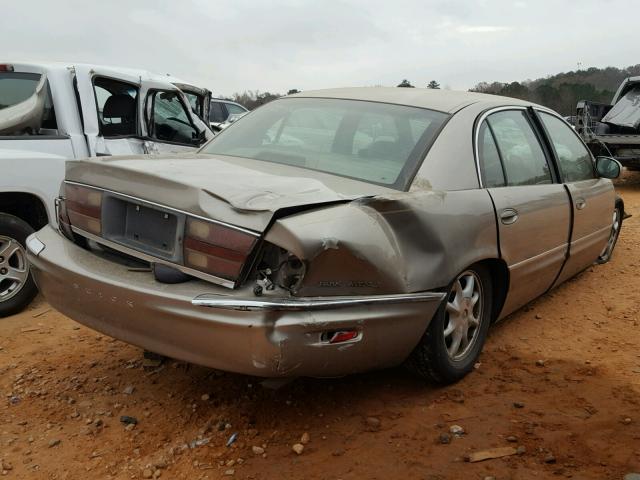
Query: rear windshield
{"x": 373, "y": 142}
{"x": 16, "y": 87}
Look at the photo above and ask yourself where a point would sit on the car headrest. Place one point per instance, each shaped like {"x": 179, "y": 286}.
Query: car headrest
{"x": 120, "y": 106}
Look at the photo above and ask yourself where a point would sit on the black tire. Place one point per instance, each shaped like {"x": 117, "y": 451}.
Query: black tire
{"x": 431, "y": 359}
{"x": 614, "y": 235}
{"x": 14, "y": 228}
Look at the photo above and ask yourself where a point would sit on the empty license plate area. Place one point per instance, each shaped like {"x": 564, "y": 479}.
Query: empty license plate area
{"x": 142, "y": 227}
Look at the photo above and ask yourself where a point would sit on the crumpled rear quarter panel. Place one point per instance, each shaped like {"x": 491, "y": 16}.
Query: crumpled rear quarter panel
{"x": 404, "y": 243}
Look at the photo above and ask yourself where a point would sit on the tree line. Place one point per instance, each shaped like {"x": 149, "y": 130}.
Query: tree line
{"x": 560, "y": 92}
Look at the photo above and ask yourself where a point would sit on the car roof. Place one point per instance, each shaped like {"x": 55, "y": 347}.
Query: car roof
{"x": 137, "y": 72}
{"x": 449, "y": 101}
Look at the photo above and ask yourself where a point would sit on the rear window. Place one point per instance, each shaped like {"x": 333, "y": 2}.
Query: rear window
{"x": 16, "y": 87}
{"x": 373, "y": 142}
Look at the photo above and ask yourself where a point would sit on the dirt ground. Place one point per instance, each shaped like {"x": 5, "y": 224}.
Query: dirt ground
{"x": 559, "y": 381}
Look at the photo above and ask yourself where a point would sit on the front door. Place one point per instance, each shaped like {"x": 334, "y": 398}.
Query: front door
{"x": 169, "y": 122}
{"x": 532, "y": 208}
{"x": 592, "y": 198}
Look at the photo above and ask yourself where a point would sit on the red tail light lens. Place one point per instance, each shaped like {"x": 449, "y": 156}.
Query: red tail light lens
{"x": 216, "y": 249}
{"x": 83, "y": 207}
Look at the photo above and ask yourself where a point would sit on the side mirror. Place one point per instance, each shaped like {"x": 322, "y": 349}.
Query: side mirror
{"x": 608, "y": 167}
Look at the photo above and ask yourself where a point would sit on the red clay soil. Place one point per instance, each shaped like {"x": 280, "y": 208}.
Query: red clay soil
{"x": 559, "y": 381}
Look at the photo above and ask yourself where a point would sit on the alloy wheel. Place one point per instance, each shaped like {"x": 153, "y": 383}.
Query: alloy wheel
{"x": 14, "y": 269}
{"x": 463, "y": 314}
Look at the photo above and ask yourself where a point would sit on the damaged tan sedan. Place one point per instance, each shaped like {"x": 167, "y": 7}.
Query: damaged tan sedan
{"x": 332, "y": 232}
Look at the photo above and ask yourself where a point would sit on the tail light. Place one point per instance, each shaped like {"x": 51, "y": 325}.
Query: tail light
{"x": 82, "y": 208}
{"x": 216, "y": 249}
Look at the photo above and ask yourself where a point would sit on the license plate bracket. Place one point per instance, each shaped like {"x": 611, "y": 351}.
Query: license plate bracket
{"x": 143, "y": 227}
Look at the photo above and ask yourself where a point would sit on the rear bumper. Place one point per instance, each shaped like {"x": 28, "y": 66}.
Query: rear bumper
{"x": 238, "y": 332}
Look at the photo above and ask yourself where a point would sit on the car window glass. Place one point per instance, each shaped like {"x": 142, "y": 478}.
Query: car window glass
{"x": 376, "y": 136}
{"x": 117, "y": 107}
{"x": 522, "y": 156}
{"x": 369, "y": 141}
{"x": 217, "y": 113}
{"x": 171, "y": 122}
{"x": 234, "y": 109}
{"x": 311, "y": 129}
{"x": 16, "y": 87}
{"x": 490, "y": 164}
{"x": 573, "y": 157}
{"x": 195, "y": 103}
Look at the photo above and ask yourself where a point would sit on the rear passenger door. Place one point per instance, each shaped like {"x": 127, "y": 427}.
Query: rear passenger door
{"x": 592, "y": 198}
{"x": 532, "y": 208}
{"x": 109, "y": 103}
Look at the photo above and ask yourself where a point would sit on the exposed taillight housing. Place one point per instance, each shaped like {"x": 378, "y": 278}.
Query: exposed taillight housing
{"x": 81, "y": 207}
{"x": 217, "y": 249}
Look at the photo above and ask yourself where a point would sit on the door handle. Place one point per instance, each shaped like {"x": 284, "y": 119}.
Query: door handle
{"x": 509, "y": 216}
{"x": 581, "y": 203}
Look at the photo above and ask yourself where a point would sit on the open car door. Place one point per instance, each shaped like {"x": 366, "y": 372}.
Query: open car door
{"x": 170, "y": 123}
{"x": 199, "y": 99}
{"x": 109, "y": 101}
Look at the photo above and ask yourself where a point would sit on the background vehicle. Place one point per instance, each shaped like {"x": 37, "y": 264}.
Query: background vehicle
{"x": 53, "y": 112}
{"x": 224, "y": 112}
{"x": 614, "y": 129}
{"x": 332, "y": 232}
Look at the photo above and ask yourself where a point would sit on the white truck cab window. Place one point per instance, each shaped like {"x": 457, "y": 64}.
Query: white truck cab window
{"x": 117, "y": 107}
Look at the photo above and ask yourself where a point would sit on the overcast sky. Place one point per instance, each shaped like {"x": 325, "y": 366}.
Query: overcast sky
{"x": 236, "y": 45}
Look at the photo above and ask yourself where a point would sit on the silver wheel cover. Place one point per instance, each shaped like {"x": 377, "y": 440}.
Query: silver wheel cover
{"x": 14, "y": 268}
{"x": 463, "y": 314}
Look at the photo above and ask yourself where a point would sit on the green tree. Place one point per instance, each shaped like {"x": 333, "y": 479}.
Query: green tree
{"x": 405, "y": 83}
{"x": 253, "y": 98}
{"x": 293, "y": 91}
{"x": 433, "y": 85}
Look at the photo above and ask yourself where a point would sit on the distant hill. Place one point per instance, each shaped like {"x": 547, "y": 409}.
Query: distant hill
{"x": 561, "y": 92}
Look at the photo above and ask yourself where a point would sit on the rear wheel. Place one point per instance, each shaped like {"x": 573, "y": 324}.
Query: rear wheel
{"x": 455, "y": 337}
{"x": 616, "y": 226}
{"x": 17, "y": 288}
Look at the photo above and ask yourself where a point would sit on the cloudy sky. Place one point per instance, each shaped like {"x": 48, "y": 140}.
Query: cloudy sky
{"x": 276, "y": 45}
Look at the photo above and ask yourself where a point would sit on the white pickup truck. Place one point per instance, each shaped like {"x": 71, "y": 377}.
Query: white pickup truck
{"x": 50, "y": 113}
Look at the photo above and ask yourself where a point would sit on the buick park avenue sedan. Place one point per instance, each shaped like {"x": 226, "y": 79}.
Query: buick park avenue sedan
{"x": 333, "y": 232}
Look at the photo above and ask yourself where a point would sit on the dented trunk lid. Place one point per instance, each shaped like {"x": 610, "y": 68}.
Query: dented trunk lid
{"x": 239, "y": 191}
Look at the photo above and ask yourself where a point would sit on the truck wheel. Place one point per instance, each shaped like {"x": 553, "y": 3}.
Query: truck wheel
{"x": 17, "y": 287}
{"x": 454, "y": 339}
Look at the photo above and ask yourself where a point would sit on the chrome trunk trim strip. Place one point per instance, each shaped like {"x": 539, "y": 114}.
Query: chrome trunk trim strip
{"x": 310, "y": 303}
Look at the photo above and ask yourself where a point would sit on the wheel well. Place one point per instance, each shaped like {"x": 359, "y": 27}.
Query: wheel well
{"x": 500, "y": 282}
{"x": 620, "y": 202}
{"x": 25, "y": 206}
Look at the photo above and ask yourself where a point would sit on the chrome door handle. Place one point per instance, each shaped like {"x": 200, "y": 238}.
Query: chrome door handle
{"x": 509, "y": 216}
{"x": 581, "y": 203}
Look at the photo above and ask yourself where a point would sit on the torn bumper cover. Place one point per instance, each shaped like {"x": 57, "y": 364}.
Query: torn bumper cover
{"x": 233, "y": 331}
